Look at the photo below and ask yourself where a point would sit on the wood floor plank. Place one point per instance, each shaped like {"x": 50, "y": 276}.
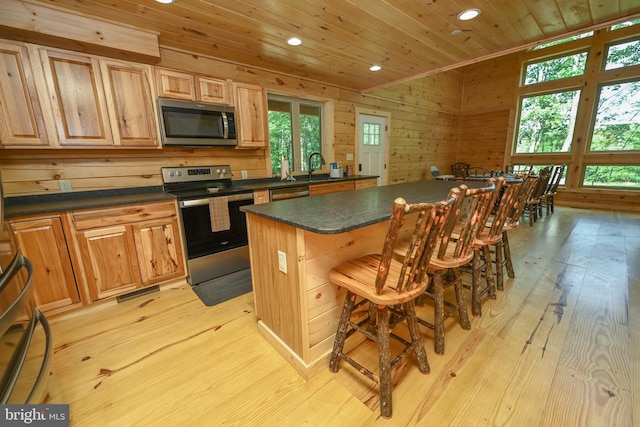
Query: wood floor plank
{"x": 559, "y": 347}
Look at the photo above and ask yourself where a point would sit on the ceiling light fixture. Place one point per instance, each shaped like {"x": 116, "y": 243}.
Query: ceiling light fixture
{"x": 294, "y": 41}
{"x": 375, "y": 68}
{"x": 456, "y": 32}
{"x": 165, "y": 1}
{"x": 468, "y": 14}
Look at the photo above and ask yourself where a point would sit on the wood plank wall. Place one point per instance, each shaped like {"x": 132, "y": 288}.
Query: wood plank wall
{"x": 424, "y": 126}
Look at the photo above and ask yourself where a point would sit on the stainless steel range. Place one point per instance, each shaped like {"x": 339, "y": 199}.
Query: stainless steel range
{"x": 215, "y": 230}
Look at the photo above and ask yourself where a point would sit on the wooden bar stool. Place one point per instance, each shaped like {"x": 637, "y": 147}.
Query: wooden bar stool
{"x": 533, "y": 206}
{"x": 390, "y": 288}
{"x": 513, "y": 220}
{"x": 552, "y": 188}
{"x": 454, "y": 251}
{"x": 491, "y": 236}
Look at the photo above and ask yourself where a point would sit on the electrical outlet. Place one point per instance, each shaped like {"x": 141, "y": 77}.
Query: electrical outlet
{"x": 282, "y": 262}
{"x": 349, "y": 156}
{"x": 245, "y": 175}
{"x": 65, "y": 185}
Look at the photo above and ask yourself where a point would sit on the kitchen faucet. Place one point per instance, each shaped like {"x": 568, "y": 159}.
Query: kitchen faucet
{"x": 310, "y": 157}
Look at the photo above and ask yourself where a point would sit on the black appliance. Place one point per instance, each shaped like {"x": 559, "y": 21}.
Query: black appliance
{"x": 187, "y": 123}
{"x": 206, "y": 196}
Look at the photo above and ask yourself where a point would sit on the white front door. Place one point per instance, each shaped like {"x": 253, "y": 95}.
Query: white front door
{"x": 372, "y": 144}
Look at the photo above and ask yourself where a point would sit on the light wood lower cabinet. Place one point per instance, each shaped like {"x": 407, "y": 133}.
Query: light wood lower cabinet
{"x": 366, "y": 183}
{"x": 43, "y": 242}
{"x": 159, "y": 250}
{"x": 332, "y": 187}
{"x": 126, "y": 248}
{"x": 109, "y": 259}
{"x": 84, "y": 256}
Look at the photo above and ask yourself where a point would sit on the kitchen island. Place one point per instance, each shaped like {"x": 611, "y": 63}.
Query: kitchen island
{"x": 293, "y": 245}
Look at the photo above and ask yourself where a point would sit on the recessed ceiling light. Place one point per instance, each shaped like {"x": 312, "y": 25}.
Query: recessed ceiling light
{"x": 294, "y": 41}
{"x": 468, "y": 14}
{"x": 375, "y": 68}
{"x": 165, "y": 1}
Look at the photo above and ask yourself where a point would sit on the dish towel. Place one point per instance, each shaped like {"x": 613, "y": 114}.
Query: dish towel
{"x": 219, "y": 213}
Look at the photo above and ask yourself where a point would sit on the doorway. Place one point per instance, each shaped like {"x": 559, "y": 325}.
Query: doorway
{"x": 372, "y": 136}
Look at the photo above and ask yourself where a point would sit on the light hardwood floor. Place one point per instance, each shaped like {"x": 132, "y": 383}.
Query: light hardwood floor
{"x": 559, "y": 347}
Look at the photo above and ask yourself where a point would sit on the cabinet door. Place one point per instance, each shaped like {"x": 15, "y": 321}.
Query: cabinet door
{"x": 174, "y": 84}
{"x": 21, "y": 115}
{"x": 43, "y": 242}
{"x": 251, "y": 108}
{"x": 159, "y": 250}
{"x": 213, "y": 90}
{"x": 109, "y": 259}
{"x": 77, "y": 98}
{"x": 131, "y": 102}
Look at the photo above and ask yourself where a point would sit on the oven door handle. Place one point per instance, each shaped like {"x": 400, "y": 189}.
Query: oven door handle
{"x": 205, "y": 201}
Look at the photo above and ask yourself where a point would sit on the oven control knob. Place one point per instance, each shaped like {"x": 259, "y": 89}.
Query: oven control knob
{"x": 178, "y": 173}
{"x": 170, "y": 173}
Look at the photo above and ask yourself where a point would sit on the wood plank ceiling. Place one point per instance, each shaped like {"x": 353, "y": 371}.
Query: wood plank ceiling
{"x": 343, "y": 38}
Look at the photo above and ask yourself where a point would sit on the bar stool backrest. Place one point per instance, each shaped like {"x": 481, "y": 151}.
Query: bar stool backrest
{"x": 428, "y": 231}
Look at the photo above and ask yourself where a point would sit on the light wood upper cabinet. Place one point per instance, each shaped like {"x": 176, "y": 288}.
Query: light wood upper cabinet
{"x": 22, "y": 122}
{"x": 175, "y": 84}
{"x": 43, "y": 242}
{"x": 131, "y": 103}
{"x": 77, "y": 98}
{"x": 212, "y": 90}
{"x": 100, "y": 102}
{"x": 192, "y": 87}
{"x": 251, "y": 109}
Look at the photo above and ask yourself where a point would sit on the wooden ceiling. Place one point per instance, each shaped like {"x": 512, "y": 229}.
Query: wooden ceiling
{"x": 343, "y": 38}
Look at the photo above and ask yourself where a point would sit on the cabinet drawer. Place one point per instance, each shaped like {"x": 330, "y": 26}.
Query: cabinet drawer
{"x": 317, "y": 189}
{"x": 83, "y": 220}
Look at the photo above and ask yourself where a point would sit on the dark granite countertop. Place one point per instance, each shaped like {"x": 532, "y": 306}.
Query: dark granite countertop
{"x": 66, "y": 202}
{"x": 340, "y": 212}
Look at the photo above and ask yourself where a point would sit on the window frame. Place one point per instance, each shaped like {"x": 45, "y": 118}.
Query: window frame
{"x": 298, "y": 165}
{"x": 594, "y": 78}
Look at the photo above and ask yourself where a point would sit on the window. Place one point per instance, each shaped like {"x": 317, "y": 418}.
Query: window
{"x": 557, "y": 68}
{"x": 625, "y": 24}
{"x": 566, "y": 40}
{"x": 588, "y": 120}
{"x": 612, "y": 176}
{"x": 617, "y": 123}
{"x": 546, "y": 122}
{"x": 623, "y": 55}
{"x": 371, "y": 134}
{"x": 295, "y": 131}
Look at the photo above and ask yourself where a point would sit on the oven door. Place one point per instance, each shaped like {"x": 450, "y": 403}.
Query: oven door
{"x": 196, "y": 222}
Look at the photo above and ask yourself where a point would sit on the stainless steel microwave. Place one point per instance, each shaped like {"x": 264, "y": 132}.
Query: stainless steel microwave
{"x": 188, "y": 123}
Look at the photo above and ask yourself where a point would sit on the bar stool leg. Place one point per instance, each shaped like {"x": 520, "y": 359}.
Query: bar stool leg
{"x": 476, "y": 303}
{"x": 460, "y": 300}
{"x": 341, "y": 334}
{"x": 438, "y": 321}
{"x": 507, "y": 255}
{"x": 416, "y": 337}
{"x": 499, "y": 265}
{"x": 384, "y": 354}
{"x": 488, "y": 271}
